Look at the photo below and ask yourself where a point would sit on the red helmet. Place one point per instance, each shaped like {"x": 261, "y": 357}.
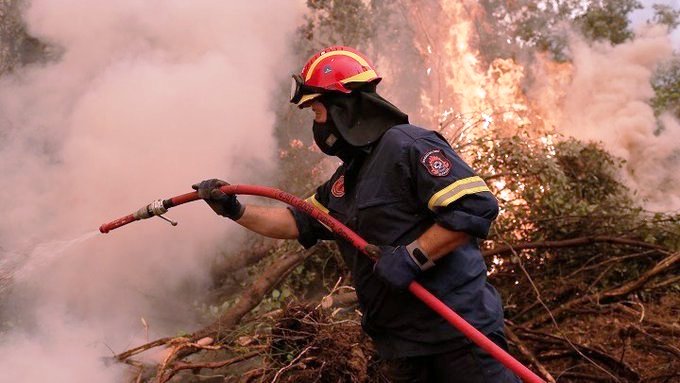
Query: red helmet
{"x": 334, "y": 69}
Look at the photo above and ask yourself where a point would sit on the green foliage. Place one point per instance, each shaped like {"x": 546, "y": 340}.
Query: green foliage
{"x": 17, "y": 47}
{"x": 566, "y": 190}
{"x": 510, "y": 27}
{"x": 666, "y": 84}
{"x": 309, "y": 281}
{"x": 666, "y": 15}
{"x": 335, "y": 22}
{"x": 608, "y": 20}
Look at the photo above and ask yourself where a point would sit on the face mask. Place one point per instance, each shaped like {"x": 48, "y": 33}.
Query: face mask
{"x": 327, "y": 138}
{"x": 331, "y": 142}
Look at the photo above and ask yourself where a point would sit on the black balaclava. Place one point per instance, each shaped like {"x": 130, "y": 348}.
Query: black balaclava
{"x": 328, "y": 139}
{"x": 354, "y": 122}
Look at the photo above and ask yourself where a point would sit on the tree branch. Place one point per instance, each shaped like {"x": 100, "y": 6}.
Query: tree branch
{"x": 179, "y": 366}
{"x": 158, "y": 342}
{"x": 580, "y": 241}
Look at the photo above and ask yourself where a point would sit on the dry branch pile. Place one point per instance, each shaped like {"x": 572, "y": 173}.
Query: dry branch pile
{"x": 578, "y": 329}
{"x": 569, "y": 330}
{"x": 310, "y": 345}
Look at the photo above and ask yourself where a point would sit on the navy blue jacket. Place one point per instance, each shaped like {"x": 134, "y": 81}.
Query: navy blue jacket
{"x": 410, "y": 180}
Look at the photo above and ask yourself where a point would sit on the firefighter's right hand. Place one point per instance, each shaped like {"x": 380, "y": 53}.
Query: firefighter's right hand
{"x": 226, "y": 205}
{"x": 396, "y": 267}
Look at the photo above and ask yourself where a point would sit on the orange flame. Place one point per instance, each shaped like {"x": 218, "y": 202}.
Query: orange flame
{"x": 471, "y": 99}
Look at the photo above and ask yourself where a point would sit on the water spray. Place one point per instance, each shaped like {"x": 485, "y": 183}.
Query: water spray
{"x": 159, "y": 207}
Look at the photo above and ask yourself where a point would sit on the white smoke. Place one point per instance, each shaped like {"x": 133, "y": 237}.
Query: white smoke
{"x": 144, "y": 99}
{"x": 607, "y": 101}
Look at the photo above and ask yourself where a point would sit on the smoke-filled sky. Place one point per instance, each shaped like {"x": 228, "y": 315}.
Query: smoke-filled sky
{"x": 145, "y": 99}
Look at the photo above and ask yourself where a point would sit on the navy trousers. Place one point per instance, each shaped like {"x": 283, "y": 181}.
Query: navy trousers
{"x": 468, "y": 364}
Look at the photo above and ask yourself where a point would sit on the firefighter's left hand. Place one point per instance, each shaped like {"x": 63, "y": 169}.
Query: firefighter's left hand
{"x": 396, "y": 267}
{"x": 222, "y": 204}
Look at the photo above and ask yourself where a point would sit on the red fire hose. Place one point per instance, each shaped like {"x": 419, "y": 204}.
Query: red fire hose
{"x": 159, "y": 207}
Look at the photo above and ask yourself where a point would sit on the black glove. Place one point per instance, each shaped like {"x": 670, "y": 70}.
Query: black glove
{"x": 397, "y": 265}
{"x": 223, "y": 204}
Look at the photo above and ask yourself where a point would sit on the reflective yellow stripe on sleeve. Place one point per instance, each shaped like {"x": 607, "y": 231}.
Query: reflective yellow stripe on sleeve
{"x": 316, "y": 203}
{"x": 456, "y": 190}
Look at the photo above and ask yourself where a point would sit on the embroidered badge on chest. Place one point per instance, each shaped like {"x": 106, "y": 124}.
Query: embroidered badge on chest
{"x": 338, "y": 188}
{"x": 436, "y": 163}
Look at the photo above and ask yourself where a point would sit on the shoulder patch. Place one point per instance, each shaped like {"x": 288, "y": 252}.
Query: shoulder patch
{"x": 436, "y": 163}
{"x": 338, "y": 188}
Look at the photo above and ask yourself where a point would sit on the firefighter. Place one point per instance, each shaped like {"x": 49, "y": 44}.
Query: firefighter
{"x": 404, "y": 189}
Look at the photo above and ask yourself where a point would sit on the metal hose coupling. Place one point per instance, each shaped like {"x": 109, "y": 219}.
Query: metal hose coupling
{"x": 154, "y": 209}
